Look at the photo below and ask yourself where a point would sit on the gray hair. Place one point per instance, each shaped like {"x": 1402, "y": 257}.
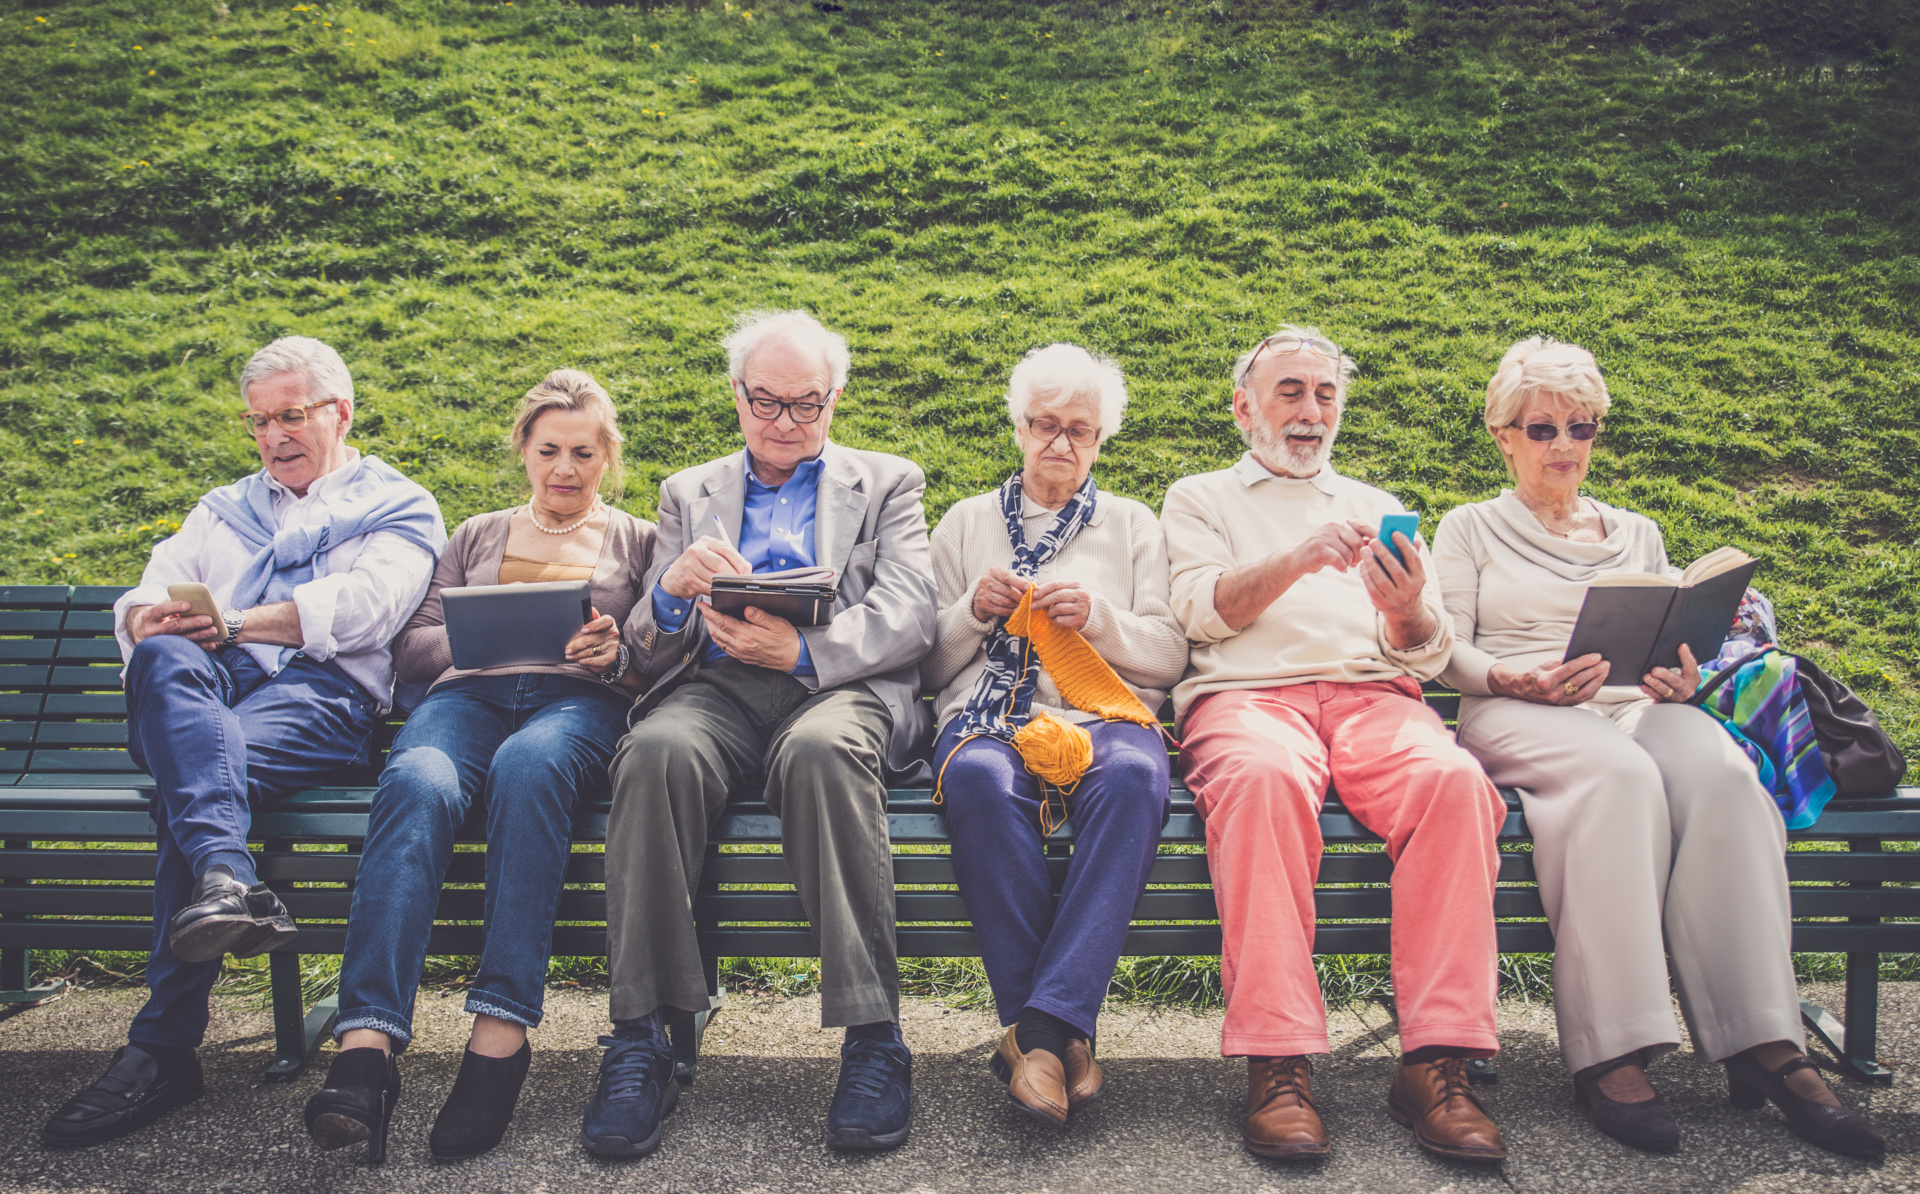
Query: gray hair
{"x": 796, "y": 327}
{"x": 1541, "y": 365}
{"x": 326, "y": 374}
{"x": 1341, "y": 375}
{"x": 571, "y": 390}
{"x": 1068, "y": 372}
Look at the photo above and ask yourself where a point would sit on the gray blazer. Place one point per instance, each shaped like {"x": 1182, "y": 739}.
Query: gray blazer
{"x": 870, "y": 527}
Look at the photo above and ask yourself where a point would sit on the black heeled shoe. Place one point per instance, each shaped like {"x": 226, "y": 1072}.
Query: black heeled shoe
{"x": 356, "y": 1102}
{"x": 1646, "y": 1125}
{"x": 480, "y": 1106}
{"x": 1836, "y": 1129}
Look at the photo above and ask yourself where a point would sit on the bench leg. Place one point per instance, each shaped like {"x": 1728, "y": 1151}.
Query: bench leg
{"x": 16, "y": 964}
{"x": 687, "y": 1034}
{"x": 1854, "y": 1043}
{"x": 1481, "y": 1072}
{"x": 297, "y": 1032}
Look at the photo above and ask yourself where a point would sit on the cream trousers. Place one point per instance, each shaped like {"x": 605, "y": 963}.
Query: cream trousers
{"x": 1648, "y": 821}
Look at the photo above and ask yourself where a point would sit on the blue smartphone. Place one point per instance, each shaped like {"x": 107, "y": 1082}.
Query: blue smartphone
{"x": 1405, "y": 524}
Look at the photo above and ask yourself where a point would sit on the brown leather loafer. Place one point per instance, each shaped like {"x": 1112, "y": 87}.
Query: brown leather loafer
{"x": 1281, "y": 1121}
{"x": 1036, "y": 1081}
{"x": 1085, "y": 1082}
{"x": 1436, "y": 1102}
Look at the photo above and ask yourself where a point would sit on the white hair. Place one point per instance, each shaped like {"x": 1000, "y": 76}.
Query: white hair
{"x": 326, "y": 374}
{"x": 1543, "y": 366}
{"x": 1067, "y": 373}
{"x": 797, "y": 328}
{"x": 1345, "y": 371}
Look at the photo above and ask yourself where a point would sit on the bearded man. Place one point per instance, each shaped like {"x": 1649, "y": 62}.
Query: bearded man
{"x": 1309, "y": 642}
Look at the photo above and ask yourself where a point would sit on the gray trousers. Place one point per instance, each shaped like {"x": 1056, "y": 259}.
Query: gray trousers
{"x": 823, "y": 756}
{"x": 1652, "y": 838}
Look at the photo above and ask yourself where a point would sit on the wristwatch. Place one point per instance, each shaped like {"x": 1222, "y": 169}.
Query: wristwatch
{"x": 234, "y": 619}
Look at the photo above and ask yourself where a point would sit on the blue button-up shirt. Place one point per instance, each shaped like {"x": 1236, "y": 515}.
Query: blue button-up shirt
{"x": 776, "y": 533}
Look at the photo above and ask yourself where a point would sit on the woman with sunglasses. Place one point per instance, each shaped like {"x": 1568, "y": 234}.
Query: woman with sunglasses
{"x": 1652, "y": 834}
{"x": 1050, "y": 546}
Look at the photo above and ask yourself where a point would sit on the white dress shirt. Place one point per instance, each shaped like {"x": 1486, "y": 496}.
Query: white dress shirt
{"x": 351, "y": 609}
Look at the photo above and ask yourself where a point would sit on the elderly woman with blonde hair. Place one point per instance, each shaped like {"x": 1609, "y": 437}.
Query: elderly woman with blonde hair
{"x": 526, "y": 741}
{"x": 1652, "y": 835}
{"x": 1053, "y": 650}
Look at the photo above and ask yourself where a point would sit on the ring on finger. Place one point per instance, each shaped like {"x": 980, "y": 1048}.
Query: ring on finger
{"x": 1570, "y": 688}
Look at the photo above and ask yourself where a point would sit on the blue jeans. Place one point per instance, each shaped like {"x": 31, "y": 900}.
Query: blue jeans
{"x": 1057, "y": 959}
{"x": 219, "y": 736}
{"x": 528, "y": 746}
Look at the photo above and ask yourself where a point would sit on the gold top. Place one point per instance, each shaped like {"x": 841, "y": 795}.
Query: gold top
{"x": 519, "y": 570}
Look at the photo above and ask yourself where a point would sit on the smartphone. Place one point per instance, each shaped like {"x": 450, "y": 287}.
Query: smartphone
{"x": 199, "y": 597}
{"x": 1405, "y": 524}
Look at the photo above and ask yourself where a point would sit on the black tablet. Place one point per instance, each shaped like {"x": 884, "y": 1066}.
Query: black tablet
{"x": 506, "y": 625}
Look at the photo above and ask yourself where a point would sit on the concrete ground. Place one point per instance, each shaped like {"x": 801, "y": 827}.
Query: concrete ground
{"x": 754, "y": 1120}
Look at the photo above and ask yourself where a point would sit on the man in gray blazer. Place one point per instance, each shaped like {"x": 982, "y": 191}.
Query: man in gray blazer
{"x": 822, "y": 713}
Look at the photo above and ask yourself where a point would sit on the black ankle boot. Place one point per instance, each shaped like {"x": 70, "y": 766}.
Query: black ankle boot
{"x": 1836, "y": 1129}
{"x": 356, "y": 1102}
{"x": 480, "y": 1105}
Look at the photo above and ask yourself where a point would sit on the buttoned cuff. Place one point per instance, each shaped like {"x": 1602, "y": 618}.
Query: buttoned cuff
{"x": 670, "y": 613}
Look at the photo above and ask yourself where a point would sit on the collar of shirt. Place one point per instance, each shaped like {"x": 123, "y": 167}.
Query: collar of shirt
{"x": 1251, "y": 472}
{"x": 808, "y": 474}
{"x": 321, "y": 484}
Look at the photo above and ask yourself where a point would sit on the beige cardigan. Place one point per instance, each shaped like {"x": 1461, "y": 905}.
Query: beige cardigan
{"x": 473, "y": 556}
{"x": 1118, "y": 555}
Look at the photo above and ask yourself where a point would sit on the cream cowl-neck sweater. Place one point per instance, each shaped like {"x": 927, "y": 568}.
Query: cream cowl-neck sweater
{"x": 1513, "y": 590}
{"x": 1323, "y": 628}
{"x": 1117, "y": 555}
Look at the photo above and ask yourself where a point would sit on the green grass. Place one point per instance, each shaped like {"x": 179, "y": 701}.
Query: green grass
{"x": 1722, "y": 200}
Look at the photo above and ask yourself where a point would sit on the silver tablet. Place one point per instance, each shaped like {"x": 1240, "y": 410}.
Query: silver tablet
{"x": 505, "y": 625}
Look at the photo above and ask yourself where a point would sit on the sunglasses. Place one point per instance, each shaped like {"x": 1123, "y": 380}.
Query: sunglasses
{"x": 1546, "y": 433}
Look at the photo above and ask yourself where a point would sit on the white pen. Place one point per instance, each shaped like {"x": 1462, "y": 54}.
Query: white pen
{"x": 721, "y": 527}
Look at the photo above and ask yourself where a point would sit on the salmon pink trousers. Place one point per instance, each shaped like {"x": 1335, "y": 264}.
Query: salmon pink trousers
{"x": 1259, "y": 762}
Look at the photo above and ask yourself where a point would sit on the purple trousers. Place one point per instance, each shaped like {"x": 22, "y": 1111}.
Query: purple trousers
{"x": 1056, "y": 956}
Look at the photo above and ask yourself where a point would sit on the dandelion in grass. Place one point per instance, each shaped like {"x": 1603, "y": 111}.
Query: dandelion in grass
{"x": 78, "y": 442}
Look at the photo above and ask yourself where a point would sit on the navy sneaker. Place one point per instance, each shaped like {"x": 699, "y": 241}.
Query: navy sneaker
{"x": 637, "y": 1092}
{"x": 873, "y": 1103}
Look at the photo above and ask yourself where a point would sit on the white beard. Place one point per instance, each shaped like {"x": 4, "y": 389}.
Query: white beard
{"x": 1270, "y": 447}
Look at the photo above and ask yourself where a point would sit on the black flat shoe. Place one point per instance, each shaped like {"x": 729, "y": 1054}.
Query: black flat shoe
{"x": 480, "y": 1106}
{"x": 129, "y": 1096}
{"x": 1647, "y": 1125}
{"x": 356, "y": 1102}
{"x": 228, "y": 917}
{"x": 1836, "y": 1129}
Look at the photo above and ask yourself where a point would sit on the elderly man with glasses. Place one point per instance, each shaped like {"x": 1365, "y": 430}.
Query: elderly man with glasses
{"x": 823, "y": 713}
{"x": 313, "y": 564}
{"x": 1310, "y": 638}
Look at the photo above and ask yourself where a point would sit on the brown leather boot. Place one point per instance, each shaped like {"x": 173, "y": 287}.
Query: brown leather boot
{"x": 1036, "y": 1081}
{"x": 1435, "y": 1101}
{"x": 1085, "y": 1083}
{"x": 1281, "y": 1121}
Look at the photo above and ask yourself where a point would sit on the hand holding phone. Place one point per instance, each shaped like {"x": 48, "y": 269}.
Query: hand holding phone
{"x": 199, "y": 597}
{"x": 1405, "y": 524}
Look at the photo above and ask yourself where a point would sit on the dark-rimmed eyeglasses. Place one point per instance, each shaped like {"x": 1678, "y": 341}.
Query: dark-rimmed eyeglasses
{"x": 1546, "y": 433}
{"x": 1282, "y": 345}
{"x": 1080, "y": 435}
{"x": 293, "y": 418}
{"x": 802, "y": 410}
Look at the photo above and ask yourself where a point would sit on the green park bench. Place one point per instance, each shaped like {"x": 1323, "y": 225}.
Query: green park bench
{"x": 68, "y": 789}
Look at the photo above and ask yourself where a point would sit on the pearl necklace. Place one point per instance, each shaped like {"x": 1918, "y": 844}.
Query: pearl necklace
{"x": 591, "y": 511}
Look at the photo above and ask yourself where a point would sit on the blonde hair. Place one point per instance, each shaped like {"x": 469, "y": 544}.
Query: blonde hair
{"x": 1541, "y": 365}
{"x": 571, "y": 390}
{"x": 1069, "y": 373}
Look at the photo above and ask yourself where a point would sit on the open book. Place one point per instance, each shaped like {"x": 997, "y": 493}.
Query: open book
{"x": 1636, "y": 621}
{"x": 803, "y": 596}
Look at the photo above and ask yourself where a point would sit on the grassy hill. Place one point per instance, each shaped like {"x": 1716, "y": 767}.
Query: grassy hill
{"x": 461, "y": 196}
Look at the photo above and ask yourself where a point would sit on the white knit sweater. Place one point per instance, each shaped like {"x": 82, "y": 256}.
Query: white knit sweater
{"x": 1119, "y": 555}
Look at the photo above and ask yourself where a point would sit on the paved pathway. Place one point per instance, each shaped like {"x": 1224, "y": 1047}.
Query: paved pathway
{"x": 753, "y": 1122}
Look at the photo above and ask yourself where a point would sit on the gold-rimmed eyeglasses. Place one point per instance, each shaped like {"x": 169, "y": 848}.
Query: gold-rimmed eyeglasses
{"x": 1282, "y": 345}
{"x": 293, "y": 418}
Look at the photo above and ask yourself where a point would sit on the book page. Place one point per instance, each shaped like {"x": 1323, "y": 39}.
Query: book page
{"x": 1715, "y": 562}
{"x": 1618, "y": 580}
{"x": 792, "y": 576}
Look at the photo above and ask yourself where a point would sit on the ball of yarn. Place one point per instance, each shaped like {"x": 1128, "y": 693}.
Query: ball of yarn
{"x": 1055, "y": 750}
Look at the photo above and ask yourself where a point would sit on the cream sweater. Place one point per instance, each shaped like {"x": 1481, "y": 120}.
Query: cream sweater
{"x": 1118, "y": 555}
{"x": 1323, "y": 628}
{"x": 1513, "y": 590}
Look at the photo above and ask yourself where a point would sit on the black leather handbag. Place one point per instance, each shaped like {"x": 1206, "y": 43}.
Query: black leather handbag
{"x": 1859, "y": 756}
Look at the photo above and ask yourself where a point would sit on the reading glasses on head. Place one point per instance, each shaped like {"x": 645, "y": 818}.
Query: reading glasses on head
{"x": 1282, "y": 345}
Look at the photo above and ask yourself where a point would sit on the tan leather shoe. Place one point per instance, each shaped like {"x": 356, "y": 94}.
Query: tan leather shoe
{"x": 1281, "y": 1121}
{"x": 1435, "y": 1101}
{"x": 1036, "y": 1081}
{"x": 1085, "y": 1082}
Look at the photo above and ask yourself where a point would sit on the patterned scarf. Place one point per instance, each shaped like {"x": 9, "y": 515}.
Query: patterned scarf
{"x": 1760, "y": 704}
{"x": 1002, "y": 700}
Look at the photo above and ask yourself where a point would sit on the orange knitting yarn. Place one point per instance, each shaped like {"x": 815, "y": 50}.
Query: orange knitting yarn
{"x": 1055, "y": 750}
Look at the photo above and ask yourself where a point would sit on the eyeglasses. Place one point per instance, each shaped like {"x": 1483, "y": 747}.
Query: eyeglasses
{"x": 802, "y": 410}
{"x": 1282, "y": 345}
{"x": 1546, "y": 433}
{"x": 1080, "y": 435}
{"x": 293, "y": 418}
